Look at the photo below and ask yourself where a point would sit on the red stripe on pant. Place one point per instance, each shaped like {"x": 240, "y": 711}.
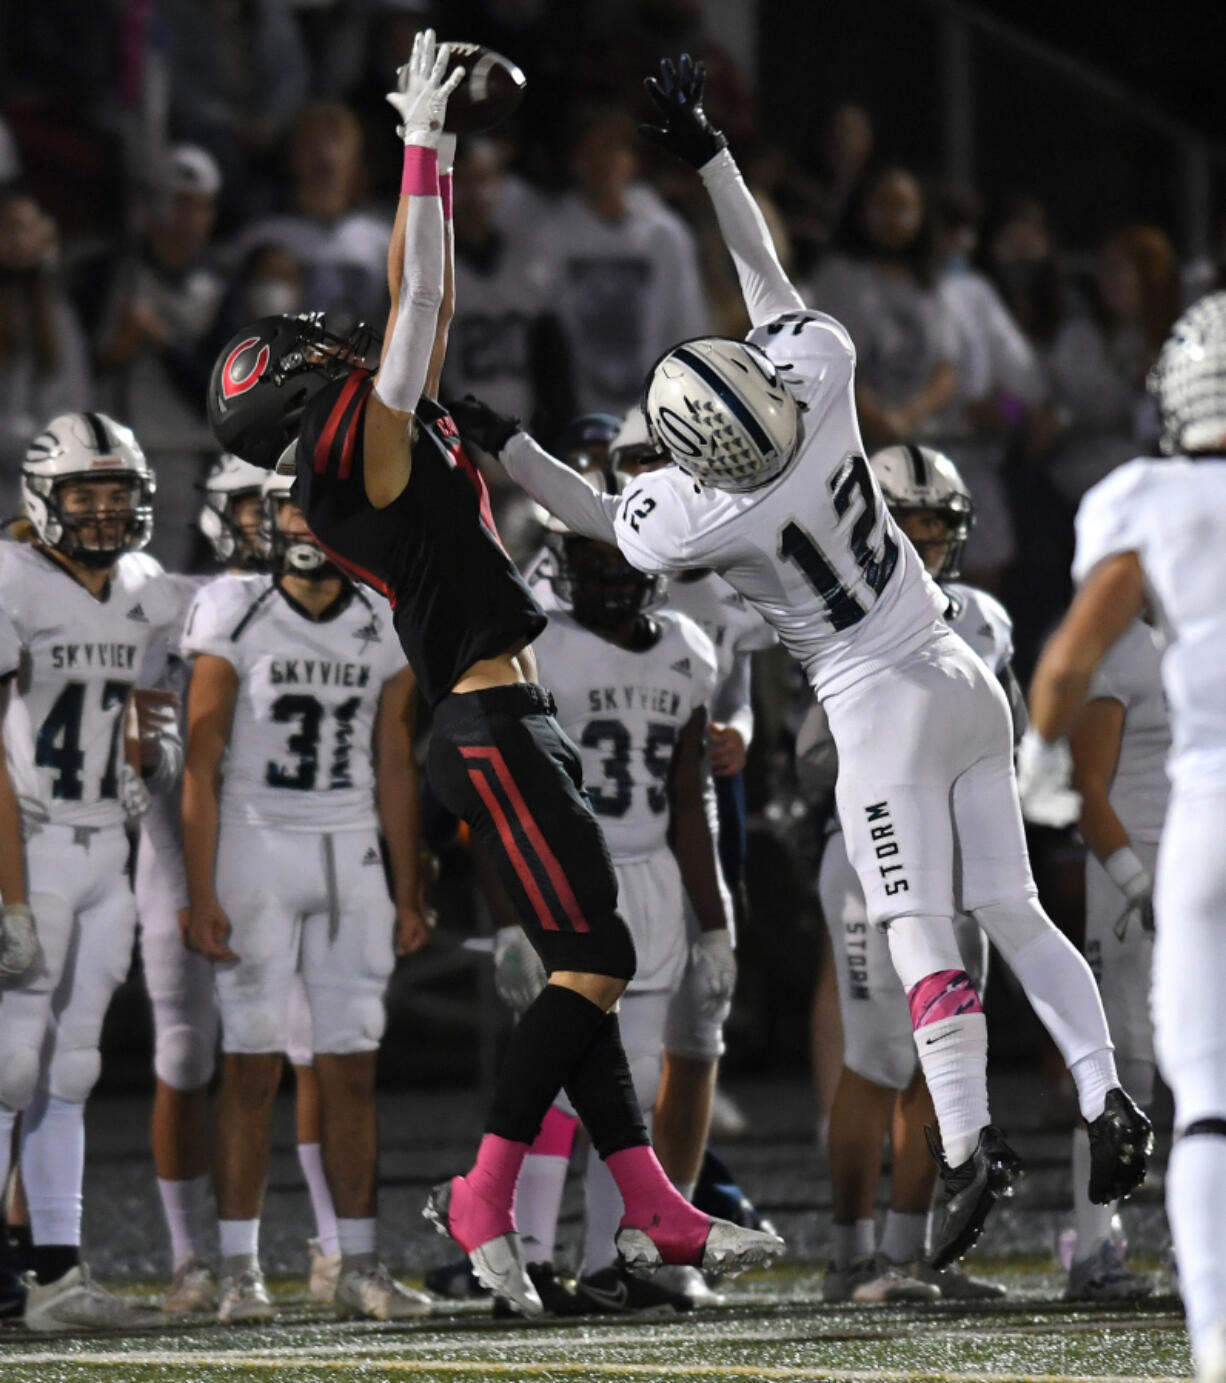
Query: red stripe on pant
{"x": 531, "y": 888}
{"x": 557, "y": 877}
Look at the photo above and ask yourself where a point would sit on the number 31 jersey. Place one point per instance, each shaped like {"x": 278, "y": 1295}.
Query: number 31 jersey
{"x": 77, "y": 658}
{"x": 625, "y": 710}
{"x": 814, "y": 551}
{"x": 300, "y": 755}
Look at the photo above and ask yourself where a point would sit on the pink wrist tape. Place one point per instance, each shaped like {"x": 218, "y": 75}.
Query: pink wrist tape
{"x": 444, "y": 191}
{"x": 420, "y": 176}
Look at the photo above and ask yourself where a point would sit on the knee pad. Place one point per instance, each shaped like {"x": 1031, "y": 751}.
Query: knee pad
{"x": 184, "y": 1055}
{"x": 921, "y": 946}
{"x": 346, "y": 1023}
{"x": 877, "y": 1041}
{"x": 74, "y": 1073}
{"x": 18, "y": 1076}
{"x": 253, "y": 1028}
{"x": 689, "y": 1033}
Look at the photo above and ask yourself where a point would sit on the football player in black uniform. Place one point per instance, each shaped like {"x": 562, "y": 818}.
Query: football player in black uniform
{"x": 390, "y": 494}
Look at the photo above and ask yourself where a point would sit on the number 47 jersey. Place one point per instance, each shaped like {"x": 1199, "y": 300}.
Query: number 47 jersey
{"x": 814, "y": 551}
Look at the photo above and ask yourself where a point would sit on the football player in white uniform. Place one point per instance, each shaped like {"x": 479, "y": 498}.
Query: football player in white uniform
{"x": 1119, "y": 745}
{"x": 632, "y": 685}
{"x": 79, "y": 613}
{"x": 770, "y": 488}
{"x": 300, "y": 704}
{"x": 1154, "y": 532}
{"x": 880, "y": 1086}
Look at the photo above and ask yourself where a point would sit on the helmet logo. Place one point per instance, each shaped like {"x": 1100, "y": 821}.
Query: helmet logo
{"x": 682, "y": 435}
{"x": 232, "y": 387}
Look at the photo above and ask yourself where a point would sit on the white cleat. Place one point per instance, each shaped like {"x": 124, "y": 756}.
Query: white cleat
{"x": 325, "y": 1269}
{"x": 875, "y": 1281}
{"x": 687, "y": 1282}
{"x": 366, "y": 1288}
{"x": 193, "y": 1288}
{"x": 498, "y": 1264}
{"x": 76, "y": 1302}
{"x": 729, "y": 1249}
{"x": 243, "y": 1296}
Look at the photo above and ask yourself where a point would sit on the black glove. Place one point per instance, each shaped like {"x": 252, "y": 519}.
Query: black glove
{"x": 479, "y": 423}
{"x": 686, "y": 132}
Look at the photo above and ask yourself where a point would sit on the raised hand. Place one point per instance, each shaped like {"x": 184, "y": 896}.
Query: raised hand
{"x": 422, "y": 91}
{"x": 684, "y": 129}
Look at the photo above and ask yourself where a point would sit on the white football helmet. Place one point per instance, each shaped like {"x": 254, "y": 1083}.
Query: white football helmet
{"x": 230, "y": 478}
{"x": 1188, "y": 380}
{"x": 81, "y": 447}
{"x": 632, "y": 447}
{"x": 921, "y": 479}
{"x": 722, "y": 412}
{"x": 297, "y": 555}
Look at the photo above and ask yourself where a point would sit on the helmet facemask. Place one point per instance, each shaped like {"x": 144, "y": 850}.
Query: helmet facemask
{"x": 941, "y": 555}
{"x": 291, "y": 554}
{"x": 94, "y": 535}
{"x": 234, "y": 542}
{"x": 597, "y": 584}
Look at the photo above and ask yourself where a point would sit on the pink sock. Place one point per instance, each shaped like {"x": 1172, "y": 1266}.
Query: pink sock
{"x": 482, "y": 1203}
{"x": 557, "y": 1135}
{"x": 654, "y": 1204}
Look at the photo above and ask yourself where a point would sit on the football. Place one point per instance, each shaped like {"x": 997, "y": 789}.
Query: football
{"x": 492, "y": 88}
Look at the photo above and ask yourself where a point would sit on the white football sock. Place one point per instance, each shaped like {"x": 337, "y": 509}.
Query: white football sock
{"x": 355, "y": 1236}
{"x": 850, "y": 1243}
{"x": 1092, "y": 1222}
{"x": 538, "y": 1201}
{"x": 239, "y": 1238}
{"x": 603, "y": 1209}
{"x": 686, "y": 1188}
{"x": 53, "y": 1167}
{"x": 903, "y": 1240}
{"x": 954, "y": 1055}
{"x": 1194, "y": 1182}
{"x": 186, "y": 1207}
{"x": 310, "y": 1157}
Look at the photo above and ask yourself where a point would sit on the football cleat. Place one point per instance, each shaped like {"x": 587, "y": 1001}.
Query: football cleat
{"x": 688, "y": 1282}
{"x": 616, "y": 1291}
{"x": 1104, "y": 1276}
{"x": 455, "y": 1280}
{"x": 498, "y": 1264}
{"x": 557, "y": 1295}
{"x": 877, "y": 1281}
{"x": 325, "y": 1269}
{"x": 971, "y": 1190}
{"x": 192, "y": 1288}
{"x": 76, "y": 1302}
{"x": 242, "y": 1295}
{"x": 366, "y": 1288}
{"x": 729, "y": 1249}
{"x": 954, "y": 1283}
{"x": 1121, "y": 1140}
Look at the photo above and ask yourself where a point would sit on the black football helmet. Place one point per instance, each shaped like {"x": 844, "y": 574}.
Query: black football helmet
{"x": 595, "y": 582}
{"x": 267, "y": 374}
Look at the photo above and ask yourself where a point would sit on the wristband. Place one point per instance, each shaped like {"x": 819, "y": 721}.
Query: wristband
{"x": 1123, "y": 867}
{"x": 444, "y": 192}
{"x": 420, "y": 176}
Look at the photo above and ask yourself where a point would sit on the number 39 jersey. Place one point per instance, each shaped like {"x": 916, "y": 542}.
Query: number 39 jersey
{"x": 300, "y": 755}
{"x": 77, "y": 658}
{"x": 625, "y": 711}
{"x": 814, "y": 551}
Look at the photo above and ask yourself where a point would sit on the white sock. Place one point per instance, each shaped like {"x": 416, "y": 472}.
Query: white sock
{"x": 850, "y": 1243}
{"x": 186, "y": 1207}
{"x": 954, "y": 1055}
{"x": 1095, "y": 1074}
{"x": 538, "y": 1201}
{"x": 603, "y": 1209}
{"x": 1194, "y": 1182}
{"x": 239, "y": 1238}
{"x": 53, "y": 1167}
{"x": 355, "y": 1236}
{"x": 1092, "y": 1222}
{"x": 310, "y": 1156}
{"x": 903, "y": 1240}
{"x": 686, "y": 1188}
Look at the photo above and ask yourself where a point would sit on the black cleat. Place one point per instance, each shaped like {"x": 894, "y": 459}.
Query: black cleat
{"x": 616, "y": 1291}
{"x": 1121, "y": 1140}
{"x": 971, "y": 1190}
{"x": 558, "y": 1295}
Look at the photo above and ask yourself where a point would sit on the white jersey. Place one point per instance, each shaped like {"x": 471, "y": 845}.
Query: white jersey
{"x": 300, "y": 754}
{"x": 1131, "y": 673}
{"x": 980, "y": 621}
{"x": 815, "y": 551}
{"x": 625, "y": 711}
{"x": 77, "y": 658}
{"x": 538, "y": 576}
{"x": 724, "y": 616}
{"x": 1172, "y": 514}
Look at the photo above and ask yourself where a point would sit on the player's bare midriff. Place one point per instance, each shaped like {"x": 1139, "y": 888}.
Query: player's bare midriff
{"x": 504, "y": 670}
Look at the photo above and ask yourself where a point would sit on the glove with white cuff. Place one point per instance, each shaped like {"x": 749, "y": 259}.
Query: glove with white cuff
{"x": 1134, "y": 881}
{"x": 421, "y": 92}
{"x": 714, "y": 963}
{"x": 18, "y": 942}
{"x": 519, "y": 975}
{"x": 1044, "y": 772}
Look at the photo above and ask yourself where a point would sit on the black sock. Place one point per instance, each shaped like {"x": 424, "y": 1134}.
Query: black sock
{"x": 52, "y": 1261}
{"x": 18, "y": 1248}
{"x": 555, "y": 1030}
{"x": 602, "y": 1091}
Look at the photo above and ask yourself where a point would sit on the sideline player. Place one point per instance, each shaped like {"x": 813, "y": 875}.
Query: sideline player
{"x": 1154, "y": 531}
{"x": 298, "y": 684}
{"x": 880, "y": 1088}
{"x": 770, "y": 488}
{"x": 390, "y": 493}
{"x": 79, "y": 611}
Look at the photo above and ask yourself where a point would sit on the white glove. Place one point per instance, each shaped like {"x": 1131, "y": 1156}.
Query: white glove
{"x": 421, "y": 93}
{"x": 714, "y": 963}
{"x": 1133, "y": 880}
{"x": 1044, "y": 772}
{"x": 519, "y": 975}
{"x": 133, "y": 794}
{"x": 18, "y": 942}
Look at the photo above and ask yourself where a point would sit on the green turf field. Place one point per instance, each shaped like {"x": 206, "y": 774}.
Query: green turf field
{"x": 772, "y": 1327}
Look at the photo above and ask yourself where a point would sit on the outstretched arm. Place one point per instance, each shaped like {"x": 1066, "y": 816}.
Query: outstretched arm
{"x": 686, "y": 133}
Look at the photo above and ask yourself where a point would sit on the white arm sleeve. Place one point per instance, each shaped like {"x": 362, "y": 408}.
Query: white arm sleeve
{"x": 767, "y": 290}
{"x": 402, "y": 376}
{"x": 562, "y": 491}
{"x": 732, "y": 703}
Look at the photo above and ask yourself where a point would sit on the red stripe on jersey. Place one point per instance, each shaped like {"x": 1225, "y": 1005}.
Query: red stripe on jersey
{"x": 478, "y": 484}
{"x": 359, "y": 573}
{"x": 546, "y": 856}
{"x": 494, "y": 807}
{"x": 349, "y": 445}
{"x": 324, "y": 446}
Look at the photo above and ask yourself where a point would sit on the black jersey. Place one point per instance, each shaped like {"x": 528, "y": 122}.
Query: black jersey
{"x": 433, "y": 552}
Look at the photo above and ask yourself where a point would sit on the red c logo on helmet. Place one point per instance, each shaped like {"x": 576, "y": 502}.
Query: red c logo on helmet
{"x": 232, "y": 387}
